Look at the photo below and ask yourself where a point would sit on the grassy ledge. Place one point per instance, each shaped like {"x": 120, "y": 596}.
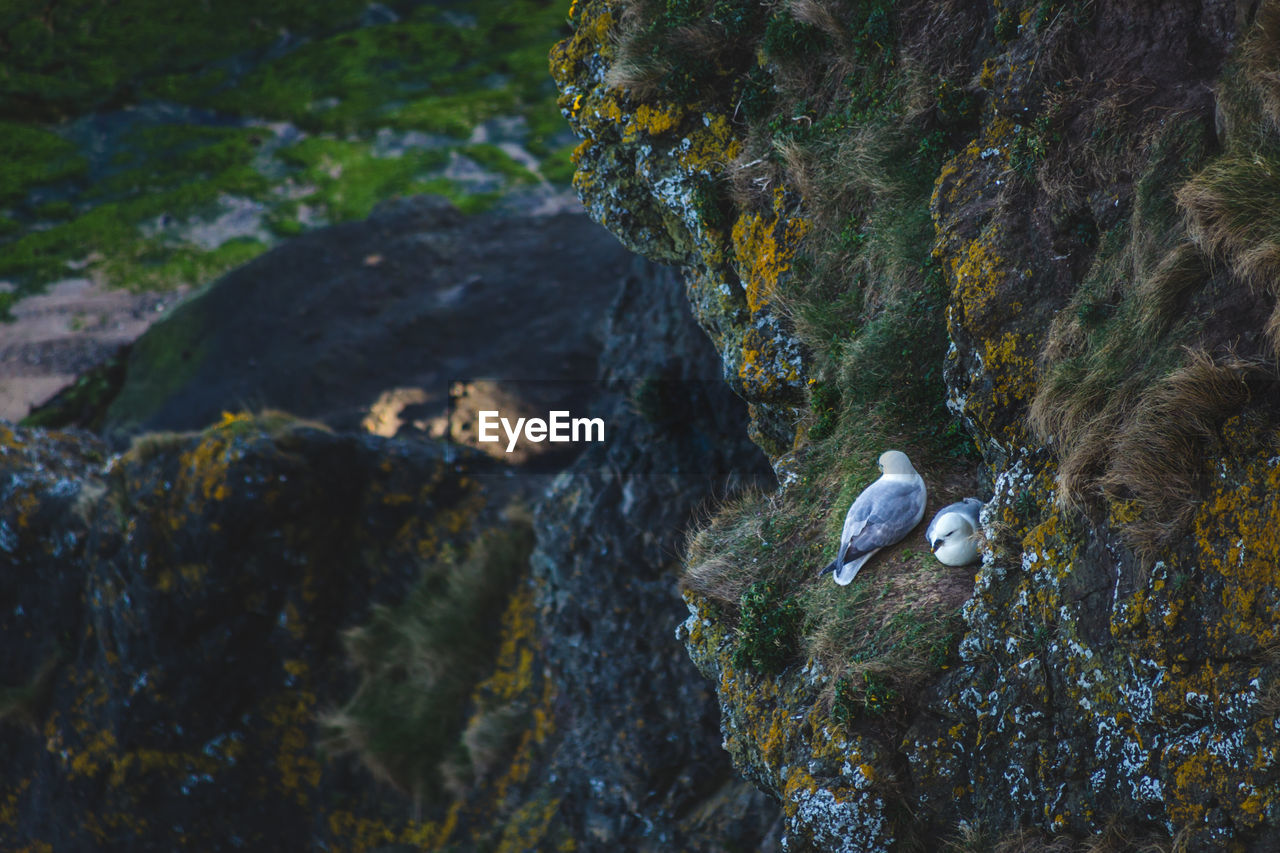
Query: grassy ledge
{"x": 854, "y": 112}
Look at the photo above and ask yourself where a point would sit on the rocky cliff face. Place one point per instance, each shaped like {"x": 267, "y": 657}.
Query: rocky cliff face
{"x": 1047, "y": 222}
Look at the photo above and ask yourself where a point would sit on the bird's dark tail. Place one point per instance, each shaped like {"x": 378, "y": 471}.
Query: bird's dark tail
{"x": 830, "y": 568}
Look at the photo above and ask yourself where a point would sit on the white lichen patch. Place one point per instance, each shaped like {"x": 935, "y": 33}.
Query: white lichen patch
{"x": 854, "y": 824}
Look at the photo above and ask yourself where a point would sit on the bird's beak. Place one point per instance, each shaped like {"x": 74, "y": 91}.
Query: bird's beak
{"x": 934, "y": 545}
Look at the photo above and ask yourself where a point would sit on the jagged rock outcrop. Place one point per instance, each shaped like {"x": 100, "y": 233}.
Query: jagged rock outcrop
{"x": 1097, "y": 179}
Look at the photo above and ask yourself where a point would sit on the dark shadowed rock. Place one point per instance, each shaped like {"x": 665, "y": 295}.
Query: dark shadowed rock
{"x": 413, "y": 298}
{"x": 639, "y": 746}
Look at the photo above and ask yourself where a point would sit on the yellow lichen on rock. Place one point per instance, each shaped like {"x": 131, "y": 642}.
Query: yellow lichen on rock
{"x": 710, "y": 148}
{"x": 652, "y": 121}
{"x": 764, "y": 247}
{"x": 1237, "y": 537}
{"x": 513, "y": 670}
{"x": 1010, "y": 364}
{"x": 291, "y": 715}
{"x": 977, "y": 271}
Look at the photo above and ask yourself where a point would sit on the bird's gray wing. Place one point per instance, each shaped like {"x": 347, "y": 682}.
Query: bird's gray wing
{"x": 973, "y": 509}
{"x": 881, "y": 516}
{"x": 968, "y": 508}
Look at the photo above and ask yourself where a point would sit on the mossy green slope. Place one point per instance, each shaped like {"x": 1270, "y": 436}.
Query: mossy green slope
{"x": 196, "y": 145}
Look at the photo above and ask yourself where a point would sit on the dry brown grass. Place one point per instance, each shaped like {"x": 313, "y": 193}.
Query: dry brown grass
{"x": 817, "y": 80}
{"x": 1146, "y": 440}
{"x": 1231, "y": 213}
{"x": 1157, "y": 452}
{"x": 846, "y": 168}
{"x": 942, "y": 34}
{"x": 1117, "y": 354}
{"x": 1081, "y": 411}
{"x": 827, "y": 16}
{"x": 706, "y": 38}
{"x": 634, "y": 69}
{"x": 636, "y": 73}
{"x": 751, "y": 177}
{"x": 1083, "y": 452}
{"x": 717, "y": 556}
{"x": 1091, "y": 404}
{"x": 1261, "y": 60}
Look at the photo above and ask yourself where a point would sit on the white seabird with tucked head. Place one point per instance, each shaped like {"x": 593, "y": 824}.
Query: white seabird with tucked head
{"x": 883, "y": 514}
{"x": 953, "y": 533}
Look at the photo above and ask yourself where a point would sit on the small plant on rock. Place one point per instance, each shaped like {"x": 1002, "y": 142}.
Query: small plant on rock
{"x": 768, "y": 628}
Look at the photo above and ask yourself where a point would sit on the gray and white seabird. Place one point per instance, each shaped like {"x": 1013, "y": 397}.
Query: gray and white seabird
{"x": 953, "y": 532}
{"x": 882, "y": 515}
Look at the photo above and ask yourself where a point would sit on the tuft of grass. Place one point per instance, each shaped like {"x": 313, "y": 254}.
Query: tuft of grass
{"x": 1114, "y": 356}
{"x": 1260, "y": 59}
{"x": 1231, "y": 214}
{"x": 715, "y": 550}
{"x": 419, "y": 661}
{"x": 685, "y": 50}
{"x": 1137, "y": 377}
{"x": 881, "y": 637}
{"x": 1157, "y": 451}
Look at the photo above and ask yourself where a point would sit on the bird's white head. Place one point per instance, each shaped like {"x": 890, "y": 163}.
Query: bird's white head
{"x": 951, "y": 527}
{"x": 952, "y": 539}
{"x": 896, "y": 463}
